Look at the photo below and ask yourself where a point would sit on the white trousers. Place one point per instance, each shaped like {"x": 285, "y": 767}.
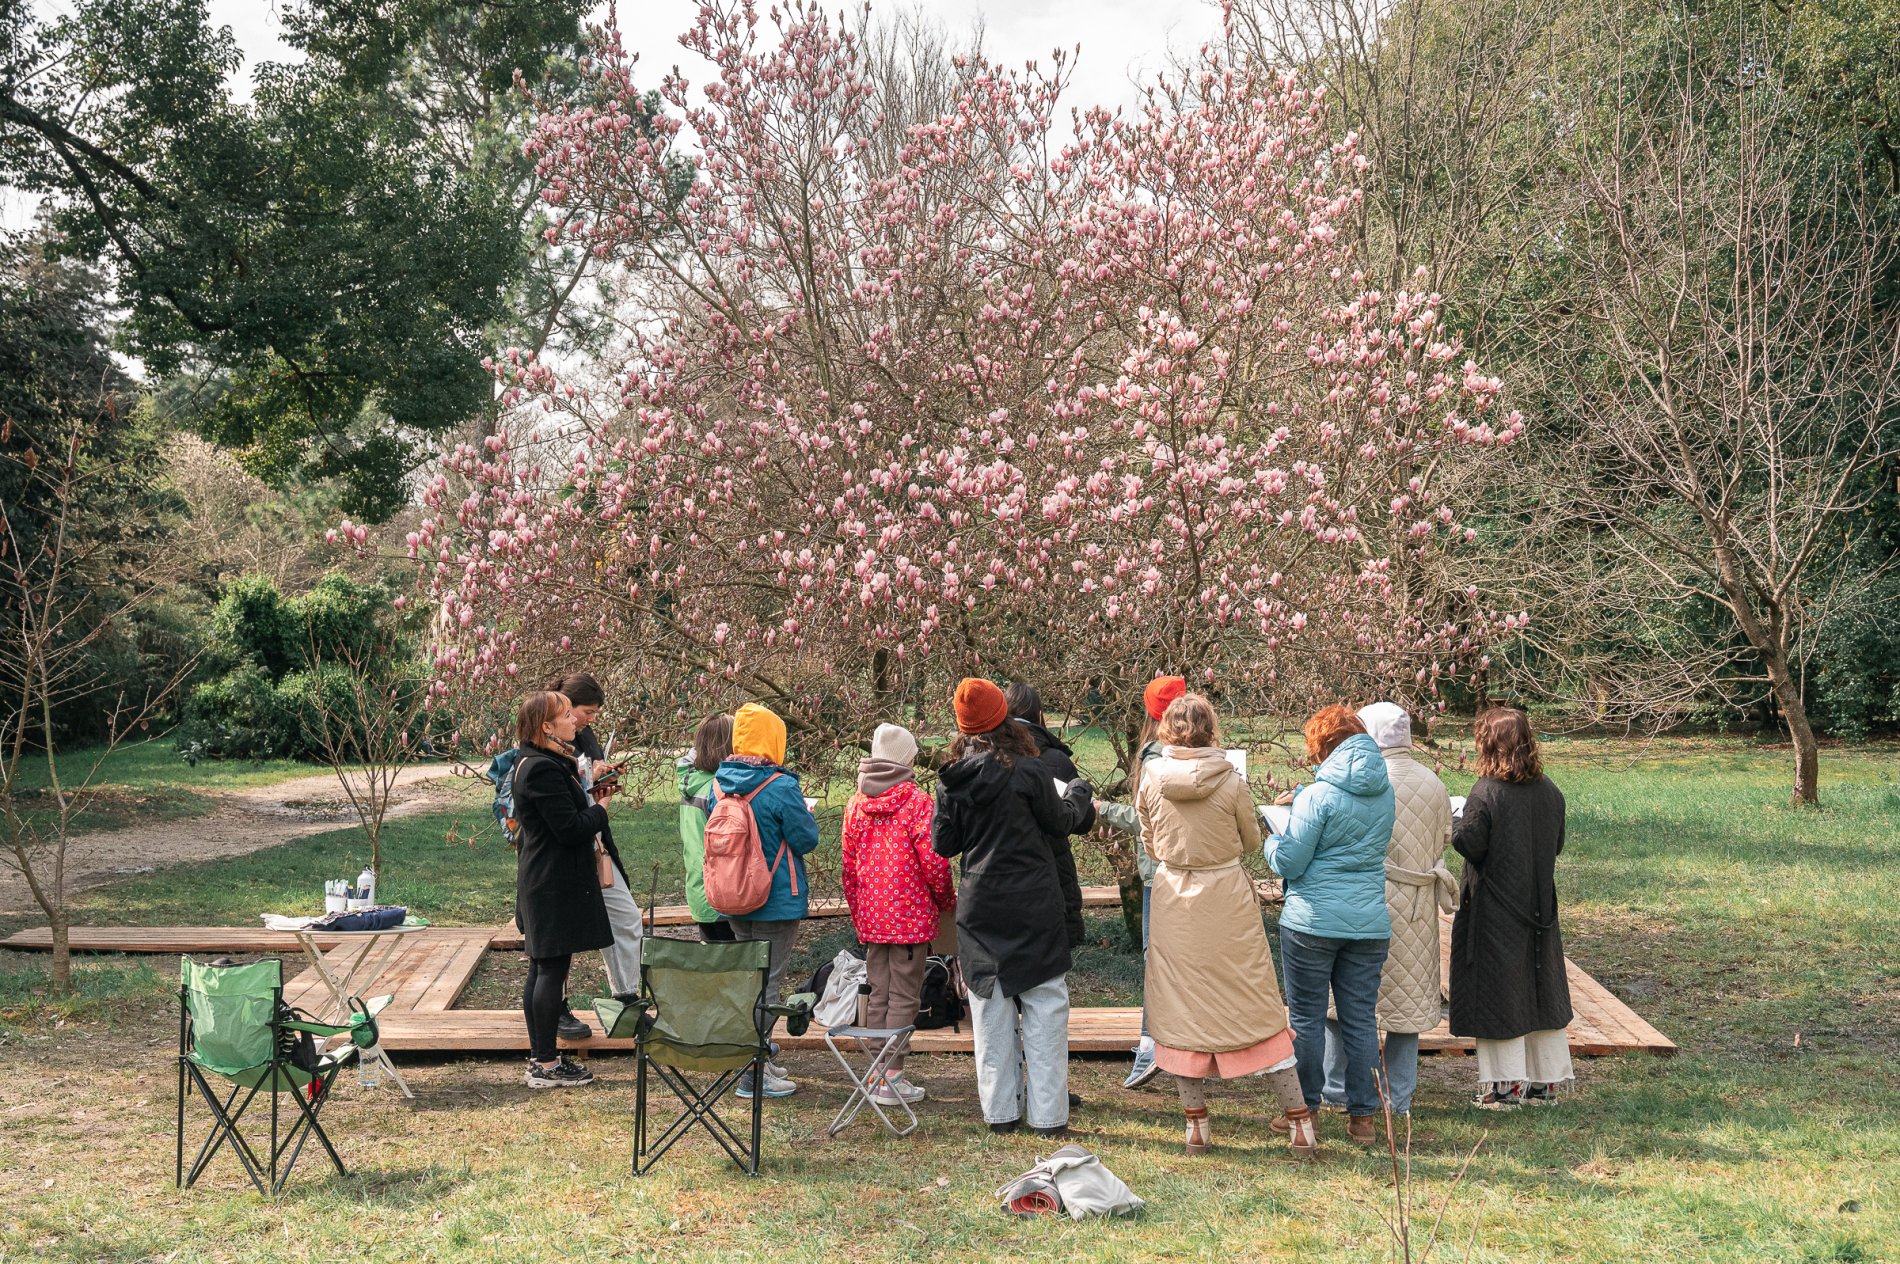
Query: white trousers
{"x": 622, "y": 957}
{"x": 1024, "y": 1038}
{"x": 1542, "y": 1057}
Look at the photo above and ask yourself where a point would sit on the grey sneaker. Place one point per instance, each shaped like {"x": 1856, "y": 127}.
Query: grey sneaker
{"x": 775, "y": 1085}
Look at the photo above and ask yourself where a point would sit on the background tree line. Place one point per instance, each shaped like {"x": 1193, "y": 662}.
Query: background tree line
{"x": 1666, "y": 226}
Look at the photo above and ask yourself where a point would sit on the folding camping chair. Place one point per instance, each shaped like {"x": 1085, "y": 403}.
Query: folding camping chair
{"x": 701, "y": 1011}
{"x": 232, "y": 1023}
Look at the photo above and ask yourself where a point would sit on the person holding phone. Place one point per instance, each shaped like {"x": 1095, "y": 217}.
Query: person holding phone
{"x": 558, "y": 904}
{"x": 622, "y": 957}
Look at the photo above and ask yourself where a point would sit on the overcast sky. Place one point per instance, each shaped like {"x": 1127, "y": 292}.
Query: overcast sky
{"x": 1121, "y": 41}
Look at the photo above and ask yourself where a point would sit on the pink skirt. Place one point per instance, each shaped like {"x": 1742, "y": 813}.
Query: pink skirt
{"x": 1229, "y": 1064}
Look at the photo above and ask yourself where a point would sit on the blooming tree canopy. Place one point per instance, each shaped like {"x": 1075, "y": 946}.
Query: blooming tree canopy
{"x": 924, "y": 389}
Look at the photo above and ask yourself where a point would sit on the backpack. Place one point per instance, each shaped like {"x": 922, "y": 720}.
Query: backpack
{"x": 938, "y": 1004}
{"x": 501, "y": 771}
{"x": 737, "y": 879}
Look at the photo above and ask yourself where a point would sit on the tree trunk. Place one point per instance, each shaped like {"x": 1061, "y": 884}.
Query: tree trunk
{"x": 62, "y": 954}
{"x": 1130, "y": 883}
{"x": 1807, "y": 752}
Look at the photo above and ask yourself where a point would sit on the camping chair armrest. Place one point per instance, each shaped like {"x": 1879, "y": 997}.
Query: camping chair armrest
{"x": 361, "y": 1029}
{"x": 796, "y": 1011}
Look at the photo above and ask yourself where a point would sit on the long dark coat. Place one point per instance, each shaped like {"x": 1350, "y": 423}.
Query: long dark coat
{"x": 1059, "y": 761}
{"x": 1507, "y": 953}
{"x": 1011, "y": 907}
{"x": 557, "y": 891}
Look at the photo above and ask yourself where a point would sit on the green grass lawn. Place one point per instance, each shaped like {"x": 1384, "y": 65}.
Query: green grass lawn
{"x": 1761, "y": 938}
{"x": 147, "y": 782}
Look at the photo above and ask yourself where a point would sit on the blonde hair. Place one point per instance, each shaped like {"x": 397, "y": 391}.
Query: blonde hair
{"x": 1189, "y": 721}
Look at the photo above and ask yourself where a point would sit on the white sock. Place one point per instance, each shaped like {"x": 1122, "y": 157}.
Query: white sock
{"x": 1146, "y": 1048}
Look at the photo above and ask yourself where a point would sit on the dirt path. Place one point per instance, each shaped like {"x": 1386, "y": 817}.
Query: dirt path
{"x": 245, "y": 820}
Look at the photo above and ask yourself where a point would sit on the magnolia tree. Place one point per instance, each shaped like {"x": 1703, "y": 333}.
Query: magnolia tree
{"x": 926, "y": 390}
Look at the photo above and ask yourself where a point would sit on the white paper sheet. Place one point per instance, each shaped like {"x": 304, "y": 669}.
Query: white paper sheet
{"x": 1457, "y": 807}
{"x": 1238, "y": 758}
{"x": 811, "y": 805}
{"x": 1276, "y": 817}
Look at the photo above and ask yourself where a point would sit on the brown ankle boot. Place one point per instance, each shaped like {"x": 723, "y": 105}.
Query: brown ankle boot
{"x": 1302, "y": 1133}
{"x": 1363, "y": 1129}
{"x": 1198, "y": 1135}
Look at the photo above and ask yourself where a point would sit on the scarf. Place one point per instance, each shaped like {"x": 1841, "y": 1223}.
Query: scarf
{"x": 876, "y": 776}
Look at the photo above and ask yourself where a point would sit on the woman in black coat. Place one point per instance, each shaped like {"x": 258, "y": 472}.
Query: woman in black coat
{"x": 1509, "y": 990}
{"x": 996, "y": 809}
{"x": 1025, "y": 708}
{"x": 558, "y": 904}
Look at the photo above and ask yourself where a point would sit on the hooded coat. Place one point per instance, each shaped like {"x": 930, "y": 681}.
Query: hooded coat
{"x": 1210, "y": 984}
{"x": 1333, "y": 852}
{"x": 894, "y": 883}
{"x": 1011, "y": 907}
{"x": 783, "y": 818}
{"x": 558, "y": 906}
{"x": 1059, "y": 761}
{"x": 1507, "y": 952}
{"x": 1417, "y": 886}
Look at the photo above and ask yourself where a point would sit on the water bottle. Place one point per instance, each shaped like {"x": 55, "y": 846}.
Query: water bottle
{"x": 366, "y": 886}
{"x": 864, "y": 1003}
{"x": 369, "y": 1073}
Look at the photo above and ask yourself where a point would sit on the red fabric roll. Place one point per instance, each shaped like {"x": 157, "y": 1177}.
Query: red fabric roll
{"x": 1037, "y": 1202}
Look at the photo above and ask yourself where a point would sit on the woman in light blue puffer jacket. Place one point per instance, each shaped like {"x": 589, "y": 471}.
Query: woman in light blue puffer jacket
{"x": 1334, "y": 927}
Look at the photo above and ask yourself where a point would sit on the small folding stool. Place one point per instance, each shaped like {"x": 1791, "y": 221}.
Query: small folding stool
{"x": 879, "y": 1045}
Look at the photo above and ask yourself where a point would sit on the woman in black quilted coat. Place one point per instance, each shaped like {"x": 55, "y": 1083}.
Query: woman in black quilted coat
{"x": 1508, "y": 987}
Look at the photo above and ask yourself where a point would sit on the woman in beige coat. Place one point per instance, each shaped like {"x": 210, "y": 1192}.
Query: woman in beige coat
{"x": 1214, "y": 1006}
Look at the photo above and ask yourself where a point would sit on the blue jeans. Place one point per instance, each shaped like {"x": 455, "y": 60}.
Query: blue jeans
{"x": 1147, "y": 899}
{"x": 1401, "y": 1067}
{"x": 1348, "y": 970}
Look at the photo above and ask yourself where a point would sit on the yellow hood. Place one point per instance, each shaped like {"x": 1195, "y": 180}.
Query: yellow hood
{"x": 756, "y": 731}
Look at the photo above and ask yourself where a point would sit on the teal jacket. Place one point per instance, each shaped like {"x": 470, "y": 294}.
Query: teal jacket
{"x": 783, "y": 818}
{"x": 1333, "y": 852}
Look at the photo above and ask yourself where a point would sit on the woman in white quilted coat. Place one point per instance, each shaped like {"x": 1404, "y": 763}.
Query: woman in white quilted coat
{"x": 1417, "y": 887}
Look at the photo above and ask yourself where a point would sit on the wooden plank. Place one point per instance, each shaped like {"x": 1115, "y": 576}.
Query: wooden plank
{"x": 244, "y": 940}
{"x": 460, "y": 967}
{"x": 508, "y": 938}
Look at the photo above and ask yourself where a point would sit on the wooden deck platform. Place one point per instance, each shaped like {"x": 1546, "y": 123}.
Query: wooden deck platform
{"x": 431, "y": 969}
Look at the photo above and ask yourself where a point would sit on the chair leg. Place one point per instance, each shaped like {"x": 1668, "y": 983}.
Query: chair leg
{"x": 699, "y": 1107}
{"x": 306, "y": 1125}
{"x": 639, "y": 1112}
{"x": 224, "y": 1126}
{"x": 179, "y": 1178}
{"x": 758, "y": 1112}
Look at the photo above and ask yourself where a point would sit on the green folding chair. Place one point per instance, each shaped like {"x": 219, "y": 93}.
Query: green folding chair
{"x": 233, "y": 1024}
{"x": 701, "y": 1011}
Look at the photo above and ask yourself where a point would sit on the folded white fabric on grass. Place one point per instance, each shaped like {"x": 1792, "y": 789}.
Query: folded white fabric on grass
{"x": 1085, "y": 1184}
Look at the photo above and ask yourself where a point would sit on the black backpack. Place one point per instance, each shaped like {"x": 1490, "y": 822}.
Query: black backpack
{"x": 938, "y": 1005}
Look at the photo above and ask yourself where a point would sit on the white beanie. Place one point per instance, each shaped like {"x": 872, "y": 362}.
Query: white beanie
{"x": 1388, "y": 724}
{"x": 893, "y": 742}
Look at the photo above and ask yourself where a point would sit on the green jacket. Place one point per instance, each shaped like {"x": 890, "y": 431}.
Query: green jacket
{"x": 1121, "y": 818}
{"x": 696, "y": 800}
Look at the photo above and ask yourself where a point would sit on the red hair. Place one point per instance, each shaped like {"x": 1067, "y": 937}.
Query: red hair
{"x": 1327, "y": 729}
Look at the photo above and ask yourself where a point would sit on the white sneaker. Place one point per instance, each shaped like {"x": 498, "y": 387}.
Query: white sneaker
{"x": 898, "y": 1091}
